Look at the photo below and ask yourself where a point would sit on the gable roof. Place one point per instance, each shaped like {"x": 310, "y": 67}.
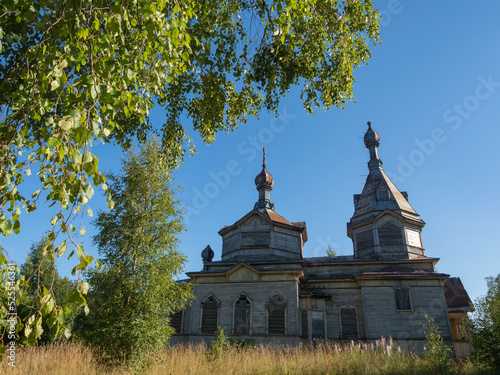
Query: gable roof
{"x": 268, "y": 215}
{"x": 456, "y": 296}
{"x": 368, "y": 201}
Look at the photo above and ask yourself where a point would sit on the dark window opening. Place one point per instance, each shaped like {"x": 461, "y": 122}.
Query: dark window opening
{"x": 403, "y": 301}
{"x": 176, "y": 321}
{"x": 318, "y": 325}
{"x": 276, "y": 315}
{"x": 210, "y": 315}
{"x": 383, "y": 195}
{"x": 349, "y": 321}
{"x": 305, "y": 325}
{"x": 242, "y": 310}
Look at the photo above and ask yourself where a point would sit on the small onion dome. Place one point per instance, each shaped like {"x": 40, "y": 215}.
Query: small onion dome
{"x": 372, "y": 138}
{"x": 207, "y": 254}
{"x": 264, "y": 179}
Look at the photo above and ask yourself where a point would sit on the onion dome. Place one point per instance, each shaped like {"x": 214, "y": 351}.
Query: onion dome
{"x": 207, "y": 254}
{"x": 372, "y": 138}
{"x": 264, "y": 178}
{"x": 264, "y": 182}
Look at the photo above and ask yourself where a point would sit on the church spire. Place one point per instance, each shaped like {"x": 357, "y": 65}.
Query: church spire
{"x": 372, "y": 141}
{"x": 264, "y": 183}
{"x": 384, "y": 224}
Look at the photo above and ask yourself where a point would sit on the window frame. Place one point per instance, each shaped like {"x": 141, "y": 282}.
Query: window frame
{"x": 407, "y": 289}
{"x": 218, "y": 306}
{"x": 351, "y": 307}
{"x": 285, "y": 315}
{"x": 242, "y": 294}
{"x": 182, "y": 322}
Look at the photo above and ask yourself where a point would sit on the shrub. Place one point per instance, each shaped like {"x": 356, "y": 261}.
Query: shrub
{"x": 436, "y": 352}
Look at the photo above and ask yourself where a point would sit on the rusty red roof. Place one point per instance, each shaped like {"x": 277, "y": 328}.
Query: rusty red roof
{"x": 275, "y": 217}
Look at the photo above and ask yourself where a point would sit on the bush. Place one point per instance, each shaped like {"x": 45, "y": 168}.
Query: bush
{"x": 436, "y": 352}
{"x": 219, "y": 344}
{"x": 484, "y": 327}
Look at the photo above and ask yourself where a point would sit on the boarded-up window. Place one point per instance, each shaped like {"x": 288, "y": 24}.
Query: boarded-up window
{"x": 364, "y": 240}
{"x": 242, "y": 312}
{"x": 255, "y": 239}
{"x": 176, "y": 321}
{"x": 403, "y": 301}
{"x": 276, "y": 315}
{"x": 349, "y": 321}
{"x": 305, "y": 323}
{"x": 209, "y": 315}
{"x": 390, "y": 234}
{"x": 318, "y": 324}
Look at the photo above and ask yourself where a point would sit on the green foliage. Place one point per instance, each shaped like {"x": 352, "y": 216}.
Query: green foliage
{"x": 484, "y": 327}
{"x": 76, "y": 72}
{"x": 40, "y": 271}
{"x": 331, "y": 251}
{"x": 134, "y": 291}
{"x": 43, "y": 303}
{"x": 42, "y": 279}
{"x": 220, "y": 344}
{"x": 436, "y": 352}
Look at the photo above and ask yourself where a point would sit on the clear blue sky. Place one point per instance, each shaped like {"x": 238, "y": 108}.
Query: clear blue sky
{"x": 431, "y": 90}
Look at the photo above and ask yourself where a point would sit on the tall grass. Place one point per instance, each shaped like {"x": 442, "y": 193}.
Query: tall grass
{"x": 353, "y": 358}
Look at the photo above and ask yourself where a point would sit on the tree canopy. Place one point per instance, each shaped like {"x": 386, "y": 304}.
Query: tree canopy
{"x": 73, "y": 73}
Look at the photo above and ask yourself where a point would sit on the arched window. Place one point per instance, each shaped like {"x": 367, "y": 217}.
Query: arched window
{"x": 210, "y": 314}
{"x": 276, "y": 315}
{"x": 242, "y": 315}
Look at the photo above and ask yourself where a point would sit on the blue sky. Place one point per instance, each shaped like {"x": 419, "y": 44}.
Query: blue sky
{"x": 432, "y": 92}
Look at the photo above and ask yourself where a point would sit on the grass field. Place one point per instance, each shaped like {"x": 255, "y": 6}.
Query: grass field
{"x": 353, "y": 358}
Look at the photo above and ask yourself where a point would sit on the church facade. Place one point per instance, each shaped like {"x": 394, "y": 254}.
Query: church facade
{"x": 263, "y": 289}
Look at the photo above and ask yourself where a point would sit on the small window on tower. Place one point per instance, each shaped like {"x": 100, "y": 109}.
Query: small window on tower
{"x": 403, "y": 301}
{"x": 383, "y": 194}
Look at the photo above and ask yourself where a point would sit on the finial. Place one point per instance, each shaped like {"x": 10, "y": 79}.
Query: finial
{"x": 207, "y": 254}
{"x": 264, "y": 183}
{"x": 372, "y": 141}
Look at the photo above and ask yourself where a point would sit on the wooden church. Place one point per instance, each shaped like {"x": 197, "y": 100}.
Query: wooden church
{"x": 263, "y": 289}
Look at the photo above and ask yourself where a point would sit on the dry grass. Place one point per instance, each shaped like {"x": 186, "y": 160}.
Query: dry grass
{"x": 382, "y": 358}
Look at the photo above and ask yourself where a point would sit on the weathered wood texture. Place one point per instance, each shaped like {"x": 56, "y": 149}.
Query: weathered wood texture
{"x": 384, "y": 319}
{"x": 390, "y": 234}
{"x": 258, "y": 293}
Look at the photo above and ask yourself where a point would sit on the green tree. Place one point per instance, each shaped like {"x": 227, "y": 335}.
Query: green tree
{"x": 76, "y": 72}
{"x": 484, "y": 327}
{"x": 42, "y": 278}
{"x": 134, "y": 291}
{"x": 436, "y": 351}
{"x": 331, "y": 251}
